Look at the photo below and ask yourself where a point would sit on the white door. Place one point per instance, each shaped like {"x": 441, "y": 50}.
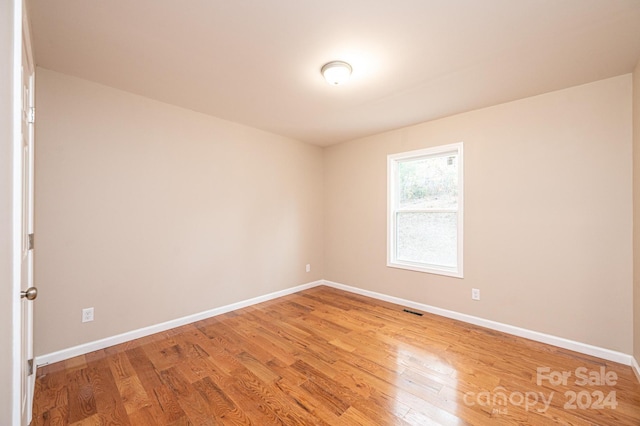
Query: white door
{"x": 28, "y": 292}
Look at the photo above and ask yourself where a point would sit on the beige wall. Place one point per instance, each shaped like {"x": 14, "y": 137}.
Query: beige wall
{"x": 636, "y": 212}
{"x": 6, "y": 171}
{"x": 149, "y": 212}
{"x": 548, "y": 214}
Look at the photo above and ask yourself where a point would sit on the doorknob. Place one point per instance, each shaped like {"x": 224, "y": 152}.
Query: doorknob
{"x": 31, "y": 293}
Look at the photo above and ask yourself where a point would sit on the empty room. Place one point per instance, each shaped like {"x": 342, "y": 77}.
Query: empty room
{"x": 286, "y": 212}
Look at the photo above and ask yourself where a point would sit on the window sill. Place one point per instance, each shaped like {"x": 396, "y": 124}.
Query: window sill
{"x": 449, "y": 272}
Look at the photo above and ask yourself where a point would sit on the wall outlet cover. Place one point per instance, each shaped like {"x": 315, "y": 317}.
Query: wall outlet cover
{"x": 87, "y": 314}
{"x": 475, "y": 293}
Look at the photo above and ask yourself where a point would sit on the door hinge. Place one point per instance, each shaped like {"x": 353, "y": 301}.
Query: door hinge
{"x": 31, "y": 115}
{"x": 31, "y": 243}
{"x": 30, "y": 366}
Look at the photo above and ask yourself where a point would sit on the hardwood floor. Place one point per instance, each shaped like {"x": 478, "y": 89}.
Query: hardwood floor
{"x": 327, "y": 357}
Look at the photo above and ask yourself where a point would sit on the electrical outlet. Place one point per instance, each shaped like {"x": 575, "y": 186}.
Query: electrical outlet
{"x": 87, "y": 314}
{"x": 475, "y": 293}
{"x": 308, "y": 267}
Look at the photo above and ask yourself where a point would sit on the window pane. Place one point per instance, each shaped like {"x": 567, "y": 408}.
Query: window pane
{"x": 429, "y": 238}
{"x": 429, "y": 182}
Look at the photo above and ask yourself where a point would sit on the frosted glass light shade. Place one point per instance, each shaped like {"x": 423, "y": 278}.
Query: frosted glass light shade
{"x": 336, "y": 72}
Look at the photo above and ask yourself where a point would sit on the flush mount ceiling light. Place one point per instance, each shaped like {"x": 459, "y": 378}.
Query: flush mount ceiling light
{"x": 336, "y": 72}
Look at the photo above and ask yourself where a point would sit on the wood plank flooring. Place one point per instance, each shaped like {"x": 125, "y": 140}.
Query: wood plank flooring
{"x": 328, "y": 357}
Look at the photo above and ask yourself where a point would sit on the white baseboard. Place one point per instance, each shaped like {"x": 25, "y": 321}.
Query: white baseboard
{"x": 561, "y": 342}
{"x": 157, "y": 328}
{"x": 636, "y": 367}
{"x": 584, "y": 348}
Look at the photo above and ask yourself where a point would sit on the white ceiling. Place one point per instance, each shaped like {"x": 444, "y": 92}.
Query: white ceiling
{"x": 257, "y": 62}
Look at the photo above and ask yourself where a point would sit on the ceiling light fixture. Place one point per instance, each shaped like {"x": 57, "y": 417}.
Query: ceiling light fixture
{"x": 336, "y": 72}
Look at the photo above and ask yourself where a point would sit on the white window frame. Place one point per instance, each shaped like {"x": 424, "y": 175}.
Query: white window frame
{"x": 393, "y": 209}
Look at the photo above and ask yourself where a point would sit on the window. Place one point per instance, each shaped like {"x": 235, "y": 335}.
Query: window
{"x": 425, "y": 198}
